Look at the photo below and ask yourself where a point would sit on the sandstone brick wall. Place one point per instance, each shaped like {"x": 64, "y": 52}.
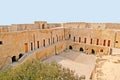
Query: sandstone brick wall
{"x": 51, "y": 39}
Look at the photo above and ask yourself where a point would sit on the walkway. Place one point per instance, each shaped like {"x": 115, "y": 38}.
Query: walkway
{"x": 26, "y": 55}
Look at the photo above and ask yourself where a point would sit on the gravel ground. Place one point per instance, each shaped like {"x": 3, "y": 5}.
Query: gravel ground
{"x": 107, "y": 68}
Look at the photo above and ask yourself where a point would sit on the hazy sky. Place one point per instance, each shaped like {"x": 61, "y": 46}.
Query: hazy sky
{"x": 28, "y": 11}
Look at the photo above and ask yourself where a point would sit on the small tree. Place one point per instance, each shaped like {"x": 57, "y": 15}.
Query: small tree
{"x": 35, "y": 70}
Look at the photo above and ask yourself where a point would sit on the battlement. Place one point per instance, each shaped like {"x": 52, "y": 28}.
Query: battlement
{"x": 28, "y": 27}
{"x": 45, "y": 25}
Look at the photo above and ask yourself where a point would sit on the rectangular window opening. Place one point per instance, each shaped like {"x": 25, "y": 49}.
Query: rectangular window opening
{"x": 108, "y": 43}
{"x": 97, "y": 42}
{"x": 104, "y": 42}
{"x": 85, "y": 40}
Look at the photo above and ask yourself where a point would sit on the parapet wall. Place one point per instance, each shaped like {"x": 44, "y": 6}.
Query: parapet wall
{"x": 28, "y": 27}
{"x": 45, "y": 25}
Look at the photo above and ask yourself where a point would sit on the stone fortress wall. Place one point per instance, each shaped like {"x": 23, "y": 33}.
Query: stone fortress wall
{"x": 48, "y": 39}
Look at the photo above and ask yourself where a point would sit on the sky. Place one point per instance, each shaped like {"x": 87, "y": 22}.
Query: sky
{"x": 59, "y": 11}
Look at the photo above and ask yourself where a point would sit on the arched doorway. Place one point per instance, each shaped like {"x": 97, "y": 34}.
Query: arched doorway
{"x": 81, "y": 49}
{"x": 20, "y": 55}
{"x": 93, "y": 51}
{"x": 14, "y": 59}
{"x": 70, "y": 47}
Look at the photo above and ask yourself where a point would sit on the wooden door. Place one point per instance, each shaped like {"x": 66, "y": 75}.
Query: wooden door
{"x": 26, "y": 47}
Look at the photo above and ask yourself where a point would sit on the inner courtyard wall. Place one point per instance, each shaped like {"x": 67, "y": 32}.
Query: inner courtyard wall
{"x": 48, "y": 39}
{"x": 23, "y": 42}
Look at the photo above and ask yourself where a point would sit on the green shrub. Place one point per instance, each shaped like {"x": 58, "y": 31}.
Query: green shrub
{"x": 35, "y": 70}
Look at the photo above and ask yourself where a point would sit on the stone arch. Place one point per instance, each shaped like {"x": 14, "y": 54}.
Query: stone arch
{"x": 93, "y": 51}
{"x": 1, "y": 42}
{"x": 70, "y": 47}
{"x": 81, "y": 49}
{"x": 101, "y": 50}
{"x": 14, "y": 59}
{"x": 20, "y": 55}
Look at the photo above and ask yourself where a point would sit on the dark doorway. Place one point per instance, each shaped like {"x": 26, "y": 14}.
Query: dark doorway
{"x": 93, "y": 51}
{"x": 44, "y": 42}
{"x": 20, "y": 55}
{"x": 43, "y": 26}
{"x": 81, "y": 49}
{"x": 14, "y": 59}
{"x": 31, "y": 46}
{"x": 1, "y": 43}
{"x": 37, "y": 44}
{"x": 69, "y": 36}
{"x": 70, "y": 47}
{"x": 74, "y": 39}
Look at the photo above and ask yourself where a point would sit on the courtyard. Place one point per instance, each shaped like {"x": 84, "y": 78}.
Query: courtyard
{"x": 79, "y": 62}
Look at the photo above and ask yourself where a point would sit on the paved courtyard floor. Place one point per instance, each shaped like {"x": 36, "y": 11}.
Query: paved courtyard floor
{"x": 79, "y": 62}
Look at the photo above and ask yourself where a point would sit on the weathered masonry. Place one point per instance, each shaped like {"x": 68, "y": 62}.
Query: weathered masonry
{"x": 41, "y": 39}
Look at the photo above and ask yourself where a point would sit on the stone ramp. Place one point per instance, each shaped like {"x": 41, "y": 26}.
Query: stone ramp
{"x": 79, "y": 57}
{"x": 22, "y": 59}
{"x": 79, "y": 68}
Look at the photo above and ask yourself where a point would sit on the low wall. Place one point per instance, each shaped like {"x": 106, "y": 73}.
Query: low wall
{"x": 115, "y": 51}
{"x": 51, "y": 50}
